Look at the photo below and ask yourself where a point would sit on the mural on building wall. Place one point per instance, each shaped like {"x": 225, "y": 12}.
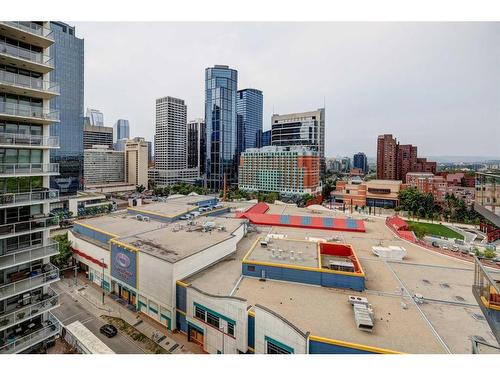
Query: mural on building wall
{"x": 124, "y": 265}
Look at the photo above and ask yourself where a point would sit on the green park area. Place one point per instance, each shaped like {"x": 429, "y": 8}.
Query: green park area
{"x": 424, "y": 229}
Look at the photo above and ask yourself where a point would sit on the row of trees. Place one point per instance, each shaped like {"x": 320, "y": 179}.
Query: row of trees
{"x": 422, "y": 205}
{"x": 183, "y": 189}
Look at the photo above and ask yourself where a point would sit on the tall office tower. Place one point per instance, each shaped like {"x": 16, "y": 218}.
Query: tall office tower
{"x": 220, "y": 119}
{"x": 121, "y": 130}
{"x": 360, "y": 161}
{"x": 171, "y": 135}
{"x": 97, "y": 135}
{"x": 266, "y": 138}
{"x": 96, "y": 117}
{"x": 249, "y": 108}
{"x": 301, "y": 129}
{"x": 26, "y": 89}
{"x": 67, "y": 54}
{"x": 150, "y": 152}
{"x": 136, "y": 162}
{"x": 196, "y": 144}
{"x": 387, "y": 150}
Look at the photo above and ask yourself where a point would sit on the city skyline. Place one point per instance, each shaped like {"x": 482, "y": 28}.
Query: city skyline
{"x": 414, "y": 80}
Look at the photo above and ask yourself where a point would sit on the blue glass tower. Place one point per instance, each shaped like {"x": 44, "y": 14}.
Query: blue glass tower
{"x": 360, "y": 161}
{"x": 67, "y": 52}
{"x": 249, "y": 108}
{"x": 220, "y": 119}
{"x": 121, "y": 130}
{"x": 266, "y": 138}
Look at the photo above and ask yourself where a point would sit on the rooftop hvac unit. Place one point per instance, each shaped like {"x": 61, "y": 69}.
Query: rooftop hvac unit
{"x": 146, "y": 219}
{"x": 263, "y": 243}
{"x": 299, "y": 256}
{"x": 292, "y": 255}
{"x": 355, "y": 299}
{"x": 280, "y": 252}
{"x": 139, "y": 217}
{"x": 273, "y": 253}
{"x": 363, "y": 316}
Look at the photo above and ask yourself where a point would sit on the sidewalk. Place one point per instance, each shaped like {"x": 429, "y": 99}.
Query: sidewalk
{"x": 175, "y": 343}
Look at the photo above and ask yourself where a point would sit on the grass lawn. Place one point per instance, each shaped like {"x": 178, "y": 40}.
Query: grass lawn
{"x": 423, "y": 229}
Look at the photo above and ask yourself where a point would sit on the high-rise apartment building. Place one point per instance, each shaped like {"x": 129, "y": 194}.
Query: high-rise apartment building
{"x": 220, "y": 118}
{"x": 301, "y": 129}
{"x": 249, "y": 108}
{"x": 97, "y": 135}
{"x": 288, "y": 170}
{"x": 103, "y": 166}
{"x": 171, "y": 156}
{"x": 96, "y": 117}
{"x": 136, "y": 162}
{"x": 26, "y": 89}
{"x": 121, "y": 130}
{"x": 67, "y": 55}
{"x": 360, "y": 161}
{"x": 196, "y": 144}
{"x": 395, "y": 161}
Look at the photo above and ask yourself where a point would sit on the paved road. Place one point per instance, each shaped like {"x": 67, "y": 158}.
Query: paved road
{"x": 71, "y": 310}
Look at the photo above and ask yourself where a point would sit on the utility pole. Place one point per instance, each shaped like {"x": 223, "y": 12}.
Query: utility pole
{"x": 102, "y": 280}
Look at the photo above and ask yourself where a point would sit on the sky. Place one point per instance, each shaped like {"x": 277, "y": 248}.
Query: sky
{"x": 434, "y": 85}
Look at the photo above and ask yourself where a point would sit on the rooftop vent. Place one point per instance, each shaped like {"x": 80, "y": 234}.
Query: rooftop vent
{"x": 363, "y": 313}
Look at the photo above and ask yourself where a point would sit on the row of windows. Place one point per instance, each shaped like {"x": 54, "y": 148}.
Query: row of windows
{"x": 212, "y": 320}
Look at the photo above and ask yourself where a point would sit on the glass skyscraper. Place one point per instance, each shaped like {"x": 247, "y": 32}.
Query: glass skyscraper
{"x": 249, "y": 108}
{"x": 121, "y": 130}
{"x": 220, "y": 119}
{"x": 67, "y": 52}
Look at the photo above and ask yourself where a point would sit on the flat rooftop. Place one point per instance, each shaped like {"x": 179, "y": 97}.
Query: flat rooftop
{"x": 327, "y": 313}
{"x": 171, "y": 242}
{"x": 280, "y": 251}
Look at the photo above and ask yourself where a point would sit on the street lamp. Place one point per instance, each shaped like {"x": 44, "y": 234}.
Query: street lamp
{"x": 102, "y": 280}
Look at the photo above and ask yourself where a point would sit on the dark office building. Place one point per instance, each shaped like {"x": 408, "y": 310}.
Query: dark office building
{"x": 360, "y": 161}
{"x": 266, "y": 138}
{"x": 196, "y": 145}
{"x": 249, "y": 108}
{"x": 67, "y": 52}
{"x": 220, "y": 120}
{"x": 97, "y": 135}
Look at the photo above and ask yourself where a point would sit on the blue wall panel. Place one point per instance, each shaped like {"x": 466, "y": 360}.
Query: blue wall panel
{"x": 317, "y": 347}
{"x": 181, "y": 322}
{"x": 219, "y": 211}
{"x": 180, "y": 297}
{"x": 90, "y": 233}
{"x": 305, "y": 277}
{"x": 251, "y": 332}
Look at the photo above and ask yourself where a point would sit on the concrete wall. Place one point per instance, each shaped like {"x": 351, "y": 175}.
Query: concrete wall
{"x": 218, "y": 340}
{"x": 271, "y": 325}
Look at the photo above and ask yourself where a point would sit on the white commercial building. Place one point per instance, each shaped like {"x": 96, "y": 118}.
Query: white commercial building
{"x": 103, "y": 166}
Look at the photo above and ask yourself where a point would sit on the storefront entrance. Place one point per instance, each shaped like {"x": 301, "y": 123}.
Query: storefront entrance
{"x": 195, "y": 335}
{"x": 127, "y": 295}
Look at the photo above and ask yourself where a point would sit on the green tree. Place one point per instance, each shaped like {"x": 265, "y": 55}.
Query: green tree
{"x": 140, "y": 188}
{"x": 65, "y": 252}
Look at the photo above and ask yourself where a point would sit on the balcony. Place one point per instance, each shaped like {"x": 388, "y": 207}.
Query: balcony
{"x": 32, "y": 225}
{"x": 25, "y": 58}
{"x": 17, "y": 343}
{"x": 28, "y": 32}
{"x": 29, "y": 198}
{"x": 37, "y": 115}
{"x": 22, "y": 313}
{"x": 33, "y": 280}
{"x": 12, "y": 259}
{"x": 28, "y": 169}
{"x": 23, "y": 85}
{"x": 15, "y": 140}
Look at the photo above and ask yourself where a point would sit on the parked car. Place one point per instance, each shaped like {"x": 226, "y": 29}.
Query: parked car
{"x": 435, "y": 244}
{"x": 108, "y": 330}
{"x": 183, "y": 217}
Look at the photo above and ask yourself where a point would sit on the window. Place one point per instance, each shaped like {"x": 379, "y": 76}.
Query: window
{"x": 212, "y": 320}
{"x": 274, "y": 347}
{"x": 230, "y": 329}
{"x": 199, "y": 313}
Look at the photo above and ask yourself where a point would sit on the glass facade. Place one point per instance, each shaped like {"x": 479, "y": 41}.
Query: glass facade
{"x": 265, "y": 138}
{"x": 121, "y": 130}
{"x": 220, "y": 120}
{"x": 249, "y": 108}
{"x": 67, "y": 52}
{"x": 360, "y": 161}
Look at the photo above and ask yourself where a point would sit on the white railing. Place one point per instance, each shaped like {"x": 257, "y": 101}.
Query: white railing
{"x": 51, "y": 327}
{"x": 51, "y": 274}
{"x": 17, "y": 316}
{"x": 26, "y": 54}
{"x": 28, "y": 82}
{"x": 28, "y": 168}
{"x": 27, "y": 255}
{"x": 10, "y": 199}
{"x": 28, "y": 225}
{"x": 30, "y": 27}
{"x": 28, "y": 140}
{"x": 22, "y": 110}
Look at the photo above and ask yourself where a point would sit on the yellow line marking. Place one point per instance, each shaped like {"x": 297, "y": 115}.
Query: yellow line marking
{"x": 489, "y": 305}
{"x": 353, "y": 345}
{"x": 95, "y": 229}
{"x": 182, "y": 283}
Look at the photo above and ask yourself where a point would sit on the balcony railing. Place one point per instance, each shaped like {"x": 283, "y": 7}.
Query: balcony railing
{"x": 12, "y": 199}
{"x": 22, "y": 110}
{"x": 28, "y": 226}
{"x": 48, "y": 302}
{"x": 26, "y": 54}
{"x": 27, "y": 255}
{"x": 51, "y": 274}
{"x": 28, "y": 168}
{"x": 47, "y": 329}
{"x": 31, "y": 27}
{"x": 28, "y": 140}
{"x": 13, "y": 79}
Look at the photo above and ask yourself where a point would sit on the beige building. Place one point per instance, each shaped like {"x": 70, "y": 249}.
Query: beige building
{"x": 136, "y": 162}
